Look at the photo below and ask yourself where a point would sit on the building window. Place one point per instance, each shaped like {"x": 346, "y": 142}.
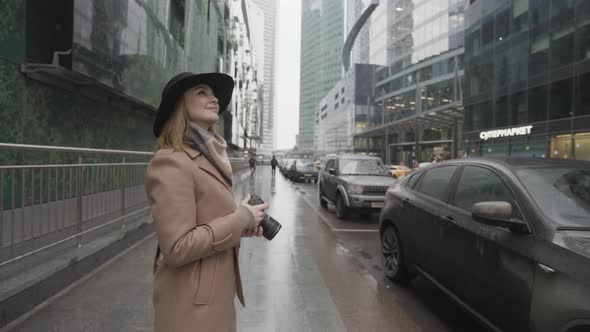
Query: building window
{"x": 538, "y": 104}
{"x": 501, "y": 113}
{"x": 562, "y": 10}
{"x": 487, "y": 32}
{"x": 538, "y": 59}
{"x": 482, "y": 116}
{"x": 582, "y": 95}
{"x": 582, "y": 46}
{"x": 520, "y": 10}
{"x": 176, "y": 20}
{"x": 539, "y": 11}
{"x": 561, "y": 147}
{"x": 582, "y": 146}
{"x": 425, "y": 73}
{"x": 562, "y": 46}
{"x": 437, "y": 94}
{"x": 561, "y": 99}
{"x": 518, "y": 109}
{"x": 468, "y": 118}
{"x": 502, "y": 66}
{"x": 518, "y": 57}
{"x": 502, "y": 25}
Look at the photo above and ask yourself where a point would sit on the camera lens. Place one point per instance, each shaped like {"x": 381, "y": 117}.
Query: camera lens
{"x": 270, "y": 227}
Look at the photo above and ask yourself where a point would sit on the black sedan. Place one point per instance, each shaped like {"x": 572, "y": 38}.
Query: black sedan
{"x": 508, "y": 239}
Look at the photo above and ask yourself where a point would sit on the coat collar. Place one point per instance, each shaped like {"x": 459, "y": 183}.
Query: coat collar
{"x": 192, "y": 153}
{"x": 205, "y": 165}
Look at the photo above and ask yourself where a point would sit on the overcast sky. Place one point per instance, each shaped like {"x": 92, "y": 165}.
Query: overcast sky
{"x": 287, "y": 72}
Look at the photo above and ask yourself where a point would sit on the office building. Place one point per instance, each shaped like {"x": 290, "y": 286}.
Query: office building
{"x": 527, "y": 77}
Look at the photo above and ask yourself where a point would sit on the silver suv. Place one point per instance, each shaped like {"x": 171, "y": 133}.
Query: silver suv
{"x": 353, "y": 182}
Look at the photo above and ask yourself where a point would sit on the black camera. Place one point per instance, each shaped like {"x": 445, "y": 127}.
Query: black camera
{"x": 270, "y": 227}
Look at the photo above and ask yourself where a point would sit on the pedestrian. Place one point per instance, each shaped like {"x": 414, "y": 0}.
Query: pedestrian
{"x": 273, "y": 164}
{"x": 197, "y": 223}
{"x": 252, "y": 165}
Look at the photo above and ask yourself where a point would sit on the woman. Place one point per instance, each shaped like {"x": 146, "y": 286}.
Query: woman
{"x": 189, "y": 186}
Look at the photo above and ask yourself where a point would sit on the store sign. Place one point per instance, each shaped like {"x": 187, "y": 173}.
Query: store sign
{"x": 509, "y": 132}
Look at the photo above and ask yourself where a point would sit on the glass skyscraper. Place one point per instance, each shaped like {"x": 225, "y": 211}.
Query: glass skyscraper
{"x": 269, "y": 8}
{"x": 417, "y": 113}
{"x": 322, "y": 37}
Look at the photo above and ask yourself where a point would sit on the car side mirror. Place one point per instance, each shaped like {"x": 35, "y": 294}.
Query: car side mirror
{"x": 499, "y": 214}
{"x": 332, "y": 171}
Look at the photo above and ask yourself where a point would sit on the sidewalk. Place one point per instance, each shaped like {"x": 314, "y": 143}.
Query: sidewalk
{"x": 301, "y": 281}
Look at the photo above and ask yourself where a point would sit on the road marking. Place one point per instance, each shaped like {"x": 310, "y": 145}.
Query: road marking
{"x": 355, "y": 230}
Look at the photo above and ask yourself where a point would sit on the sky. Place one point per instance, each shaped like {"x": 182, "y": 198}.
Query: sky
{"x": 287, "y": 73}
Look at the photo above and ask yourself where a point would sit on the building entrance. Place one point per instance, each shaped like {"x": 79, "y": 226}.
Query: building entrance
{"x": 428, "y": 152}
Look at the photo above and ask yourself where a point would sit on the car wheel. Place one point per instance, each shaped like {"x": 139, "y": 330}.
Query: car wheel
{"x": 323, "y": 202}
{"x": 393, "y": 256}
{"x": 341, "y": 208}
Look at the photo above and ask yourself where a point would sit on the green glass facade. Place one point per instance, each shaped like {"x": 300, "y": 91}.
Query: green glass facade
{"x": 322, "y": 37}
{"x": 124, "y": 45}
{"x": 128, "y": 45}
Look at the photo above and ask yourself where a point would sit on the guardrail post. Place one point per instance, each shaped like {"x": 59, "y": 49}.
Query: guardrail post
{"x": 122, "y": 179}
{"x": 79, "y": 201}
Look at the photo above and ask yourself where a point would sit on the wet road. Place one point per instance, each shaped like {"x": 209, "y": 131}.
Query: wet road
{"x": 423, "y": 306}
{"x": 318, "y": 274}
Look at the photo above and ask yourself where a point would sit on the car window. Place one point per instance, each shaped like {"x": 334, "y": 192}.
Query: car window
{"x": 412, "y": 180}
{"x": 435, "y": 182}
{"x": 563, "y": 193}
{"x": 330, "y": 164}
{"x": 478, "y": 184}
{"x": 305, "y": 163}
{"x": 362, "y": 167}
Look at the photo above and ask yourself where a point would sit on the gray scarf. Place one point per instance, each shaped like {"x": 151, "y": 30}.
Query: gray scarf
{"x": 213, "y": 147}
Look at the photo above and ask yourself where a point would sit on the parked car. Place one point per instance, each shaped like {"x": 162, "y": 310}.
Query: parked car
{"x": 421, "y": 165}
{"x": 508, "y": 239}
{"x": 353, "y": 182}
{"x": 284, "y": 166}
{"x": 302, "y": 170}
{"x": 399, "y": 171}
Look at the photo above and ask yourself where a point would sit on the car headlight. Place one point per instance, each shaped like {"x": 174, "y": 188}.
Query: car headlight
{"x": 354, "y": 189}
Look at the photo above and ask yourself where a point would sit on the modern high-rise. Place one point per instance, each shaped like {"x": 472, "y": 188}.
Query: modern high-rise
{"x": 527, "y": 77}
{"x": 322, "y": 38}
{"x": 269, "y": 8}
{"x": 417, "y": 113}
{"x": 352, "y": 96}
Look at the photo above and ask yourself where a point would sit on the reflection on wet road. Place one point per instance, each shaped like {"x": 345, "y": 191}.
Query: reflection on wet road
{"x": 324, "y": 274}
{"x": 318, "y": 274}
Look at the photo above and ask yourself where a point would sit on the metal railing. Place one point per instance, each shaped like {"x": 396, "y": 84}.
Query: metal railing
{"x": 67, "y": 204}
{"x": 43, "y": 206}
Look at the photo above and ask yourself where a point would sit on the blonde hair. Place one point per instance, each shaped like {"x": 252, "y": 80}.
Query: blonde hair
{"x": 175, "y": 131}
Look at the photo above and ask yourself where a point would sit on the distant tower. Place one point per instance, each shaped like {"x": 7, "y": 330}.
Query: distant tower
{"x": 322, "y": 37}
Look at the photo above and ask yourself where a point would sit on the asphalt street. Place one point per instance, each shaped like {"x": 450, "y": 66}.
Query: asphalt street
{"x": 318, "y": 274}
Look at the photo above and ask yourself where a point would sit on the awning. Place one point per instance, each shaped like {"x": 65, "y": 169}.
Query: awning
{"x": 445, "y": 117}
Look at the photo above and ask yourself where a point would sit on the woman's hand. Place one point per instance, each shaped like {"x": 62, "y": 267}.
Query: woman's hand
{"x": 251, "y": 227}
{"x": 251, "y": 232}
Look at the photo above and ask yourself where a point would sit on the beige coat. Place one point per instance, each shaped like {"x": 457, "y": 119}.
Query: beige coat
{"x": 196, "y": 277}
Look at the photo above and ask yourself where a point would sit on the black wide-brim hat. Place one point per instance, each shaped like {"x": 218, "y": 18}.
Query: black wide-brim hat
{"x": 221, "y": 84}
